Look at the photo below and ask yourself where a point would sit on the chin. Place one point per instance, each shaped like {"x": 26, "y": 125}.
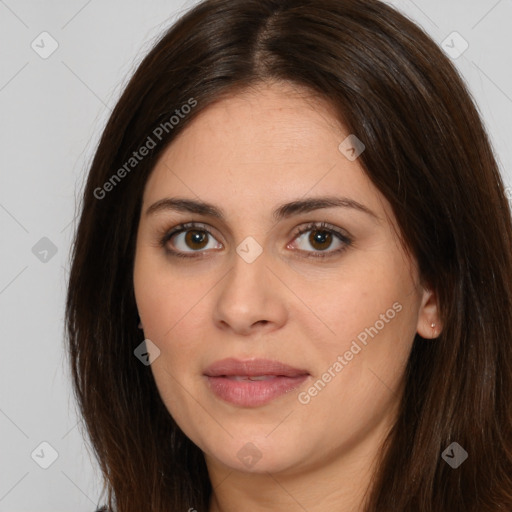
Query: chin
{"x": 257, "y": 455}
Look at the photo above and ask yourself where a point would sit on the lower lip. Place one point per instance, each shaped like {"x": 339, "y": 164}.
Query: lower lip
{"x": 247, "y": 393}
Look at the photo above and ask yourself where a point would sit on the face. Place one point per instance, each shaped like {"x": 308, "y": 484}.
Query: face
{"x": 321, "y": 285}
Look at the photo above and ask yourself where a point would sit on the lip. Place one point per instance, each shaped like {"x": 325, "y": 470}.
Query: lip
{"x": 281, "y": 379}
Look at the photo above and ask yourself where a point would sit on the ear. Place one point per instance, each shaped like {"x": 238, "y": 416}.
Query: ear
{"x": 429, "y": 322}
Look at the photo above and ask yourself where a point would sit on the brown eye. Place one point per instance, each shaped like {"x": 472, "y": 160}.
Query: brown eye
{"x": 189, "y": 238}
{"x": 320, "y": 239}
{"x": 196, "y": 239}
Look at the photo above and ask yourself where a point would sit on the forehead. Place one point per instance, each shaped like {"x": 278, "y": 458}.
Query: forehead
{"x": 262, "y": 146}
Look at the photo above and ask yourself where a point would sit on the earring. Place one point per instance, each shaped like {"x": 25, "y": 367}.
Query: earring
{"x": 433, "y": 325}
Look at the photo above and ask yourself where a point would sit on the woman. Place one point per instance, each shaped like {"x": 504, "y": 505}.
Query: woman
{"x": 291, "y": 284}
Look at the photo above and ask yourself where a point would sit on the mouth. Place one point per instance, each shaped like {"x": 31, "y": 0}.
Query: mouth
{"x": 252, "y": 383}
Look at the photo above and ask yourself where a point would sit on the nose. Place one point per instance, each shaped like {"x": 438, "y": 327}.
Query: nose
{"x": 250, "y": 299}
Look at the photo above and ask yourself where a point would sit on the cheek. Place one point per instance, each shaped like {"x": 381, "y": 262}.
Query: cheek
{"x": 173, "y": 309}
{"x": 163, "y": 297}
{"x": 371, "y": 312}
{"x": 363, "y": 300}
{"x": 362, "y": 373}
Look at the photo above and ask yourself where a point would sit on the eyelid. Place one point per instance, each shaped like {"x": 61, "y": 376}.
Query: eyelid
{"x": 187, "y": 226}
{"x": 321, "y": 226}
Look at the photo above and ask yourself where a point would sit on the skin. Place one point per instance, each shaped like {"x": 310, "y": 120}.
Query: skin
{"x": 247, "y": 155}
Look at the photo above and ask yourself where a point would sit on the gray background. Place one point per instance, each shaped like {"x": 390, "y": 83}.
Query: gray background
{"x": 52, "y": 112}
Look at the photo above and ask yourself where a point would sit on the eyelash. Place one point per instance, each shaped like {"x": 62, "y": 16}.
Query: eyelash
{"x": 317, "y": 226}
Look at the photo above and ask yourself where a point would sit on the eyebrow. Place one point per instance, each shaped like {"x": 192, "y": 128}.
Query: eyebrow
{"x": 284, "y": 211}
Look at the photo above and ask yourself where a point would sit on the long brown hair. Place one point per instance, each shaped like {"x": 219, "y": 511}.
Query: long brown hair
{"x": 429, "y": 155}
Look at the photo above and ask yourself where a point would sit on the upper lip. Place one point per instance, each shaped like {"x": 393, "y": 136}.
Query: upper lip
{"x": 252, "y": 368}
